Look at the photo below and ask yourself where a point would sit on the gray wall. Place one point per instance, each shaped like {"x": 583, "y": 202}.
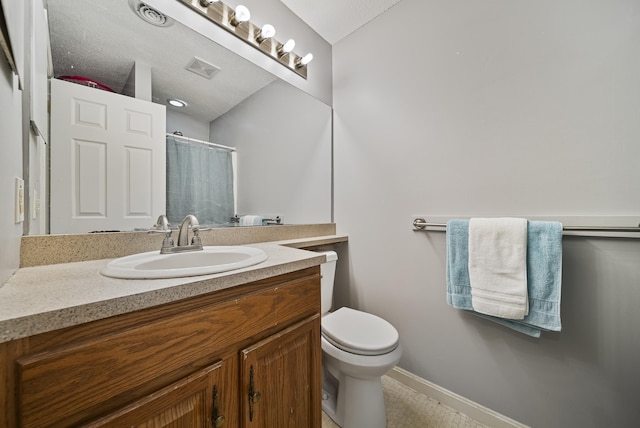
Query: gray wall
{"x": 493, "y": 108}
{"x": 188, "y": 125}
{"x": 10, "y": 168}
{"x": 283, "y": 141}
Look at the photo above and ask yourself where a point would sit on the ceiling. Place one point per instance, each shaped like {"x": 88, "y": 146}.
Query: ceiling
{"x": 102, "y": 40}
{"x": 335, "y": 19}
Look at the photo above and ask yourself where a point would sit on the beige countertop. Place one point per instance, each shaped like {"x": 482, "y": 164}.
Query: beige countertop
{"x": 44, "y": 298}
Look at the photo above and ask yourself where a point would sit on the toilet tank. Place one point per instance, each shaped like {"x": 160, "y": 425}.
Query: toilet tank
{"x": 328, "y": 274}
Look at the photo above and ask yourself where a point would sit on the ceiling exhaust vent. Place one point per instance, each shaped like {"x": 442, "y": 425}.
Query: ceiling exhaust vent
{"x": 149, "y": 14}
{"x": 202, "y": 68}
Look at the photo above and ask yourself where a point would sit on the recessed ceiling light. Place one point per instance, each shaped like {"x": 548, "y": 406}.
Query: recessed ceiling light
{"x": 176, "y": 102}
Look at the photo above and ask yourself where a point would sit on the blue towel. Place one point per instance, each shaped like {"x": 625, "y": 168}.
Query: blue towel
{"x": 544, "y": 275}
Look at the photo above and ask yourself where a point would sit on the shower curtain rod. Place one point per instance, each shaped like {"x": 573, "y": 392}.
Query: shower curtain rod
{"x": 193, "y": 140}
{"x": 420, "y": 224}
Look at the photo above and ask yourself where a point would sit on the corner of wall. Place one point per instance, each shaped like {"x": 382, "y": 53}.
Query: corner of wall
{"x": 10, "y": 168}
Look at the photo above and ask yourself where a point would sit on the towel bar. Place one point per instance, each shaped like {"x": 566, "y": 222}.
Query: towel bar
{"x": 275, "y": 220}
{"x": 420, "y": 224}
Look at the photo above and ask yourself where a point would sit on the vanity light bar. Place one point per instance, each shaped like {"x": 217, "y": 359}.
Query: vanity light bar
{"x": 226, "y": 17}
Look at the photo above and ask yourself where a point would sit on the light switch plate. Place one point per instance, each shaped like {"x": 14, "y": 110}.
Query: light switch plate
{"x": 19, "y": 200}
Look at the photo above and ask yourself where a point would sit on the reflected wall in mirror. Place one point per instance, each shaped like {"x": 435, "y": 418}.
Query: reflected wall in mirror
{"x": 282, "y": 135}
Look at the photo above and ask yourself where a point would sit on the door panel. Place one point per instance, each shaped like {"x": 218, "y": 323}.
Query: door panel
{"x": 278, "y": 375}
{"x": 186, "y": 403}
{"x": 107, "y": 160}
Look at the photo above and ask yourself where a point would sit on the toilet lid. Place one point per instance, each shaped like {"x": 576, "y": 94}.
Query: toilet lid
{"x": 359, "y": 332}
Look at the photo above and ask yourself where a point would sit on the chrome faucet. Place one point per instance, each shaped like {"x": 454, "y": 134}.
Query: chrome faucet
{"x": 168, "y": 246}
{"x": 183, "y": 232}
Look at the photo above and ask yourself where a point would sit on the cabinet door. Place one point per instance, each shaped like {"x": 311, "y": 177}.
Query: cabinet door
{"x": 281, "y": 379}
{"x": 191, "y": 402}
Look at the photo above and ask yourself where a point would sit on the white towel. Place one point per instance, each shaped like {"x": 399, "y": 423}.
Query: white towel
{"x": 251, "y": 220}
{"x": 498, "y": 266}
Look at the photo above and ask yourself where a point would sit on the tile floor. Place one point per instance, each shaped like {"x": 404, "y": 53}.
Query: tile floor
{"x": 407, "y": 408}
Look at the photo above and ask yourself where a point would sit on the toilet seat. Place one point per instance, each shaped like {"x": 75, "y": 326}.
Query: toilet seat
{"x": 359, "y": 332}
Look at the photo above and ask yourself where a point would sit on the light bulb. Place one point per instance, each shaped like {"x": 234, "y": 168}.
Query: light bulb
{"x": 286, "y": 48}
{"x": 242, "y": 14}
{"x": 306, "y": 59}
{"x": 266, "y": 32}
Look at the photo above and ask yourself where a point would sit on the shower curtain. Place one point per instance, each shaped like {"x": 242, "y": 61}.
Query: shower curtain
{"x": 199, "y": 182}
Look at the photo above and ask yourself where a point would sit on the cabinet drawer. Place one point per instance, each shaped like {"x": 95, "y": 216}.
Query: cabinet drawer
{"x": 81, "y": 380}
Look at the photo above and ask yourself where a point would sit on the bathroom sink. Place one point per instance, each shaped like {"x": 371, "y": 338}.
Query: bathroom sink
{"x": 153, "y": 265}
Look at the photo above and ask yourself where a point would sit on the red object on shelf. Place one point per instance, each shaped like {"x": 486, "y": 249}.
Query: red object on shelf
{"x": 81, "y": 80}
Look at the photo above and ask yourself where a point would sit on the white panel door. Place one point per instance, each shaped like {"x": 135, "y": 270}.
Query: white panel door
{"x": 107, "y": 160}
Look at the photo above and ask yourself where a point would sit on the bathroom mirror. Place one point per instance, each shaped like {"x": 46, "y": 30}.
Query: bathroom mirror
{"x": 282, "y": 135}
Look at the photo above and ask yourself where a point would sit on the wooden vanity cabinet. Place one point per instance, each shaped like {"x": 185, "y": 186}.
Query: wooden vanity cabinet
{"x": 247, "y": 356}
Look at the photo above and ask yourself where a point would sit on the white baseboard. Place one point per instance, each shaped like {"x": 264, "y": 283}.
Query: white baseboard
{"x": 474, "y": 410}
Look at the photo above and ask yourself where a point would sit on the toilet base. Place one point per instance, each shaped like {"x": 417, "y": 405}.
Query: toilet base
{"x": 365, "y": 398}
{"x": 329, "y": 395}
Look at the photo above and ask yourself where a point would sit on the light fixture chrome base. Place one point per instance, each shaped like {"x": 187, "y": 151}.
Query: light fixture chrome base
{"x": 219, "y": 13}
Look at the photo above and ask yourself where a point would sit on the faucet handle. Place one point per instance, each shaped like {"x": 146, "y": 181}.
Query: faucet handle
{"x": 162, "y": 224}
{"x": 167, "y": 243}
{"x": 195, "y": 240}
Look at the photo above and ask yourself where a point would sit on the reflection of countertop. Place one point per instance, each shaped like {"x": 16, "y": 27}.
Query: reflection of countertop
{"x": 44, "y": 298}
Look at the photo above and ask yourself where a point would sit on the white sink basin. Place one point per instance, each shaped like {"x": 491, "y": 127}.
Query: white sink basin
{"x": 153, "y": 265}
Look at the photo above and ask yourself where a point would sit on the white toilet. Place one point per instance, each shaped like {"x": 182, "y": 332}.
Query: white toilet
{"x": 357, "y": 349}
